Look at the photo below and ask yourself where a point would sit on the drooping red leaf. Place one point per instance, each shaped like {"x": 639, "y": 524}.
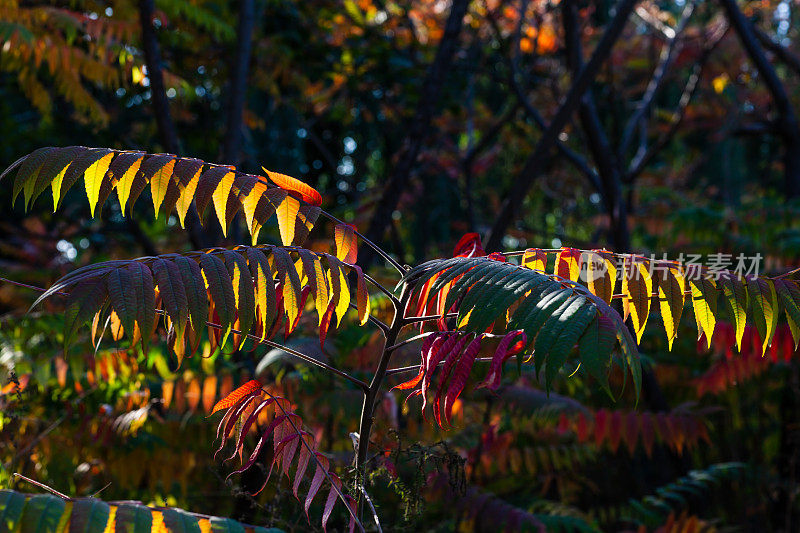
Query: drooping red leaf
{"x": 501, "y": 355}
{"x": 460, "y": 376}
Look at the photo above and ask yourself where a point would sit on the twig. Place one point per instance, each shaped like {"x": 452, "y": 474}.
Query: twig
{"x": 42, "y": 486}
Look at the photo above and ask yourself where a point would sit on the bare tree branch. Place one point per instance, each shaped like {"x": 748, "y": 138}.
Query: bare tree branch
{"x": 547, "y": 142}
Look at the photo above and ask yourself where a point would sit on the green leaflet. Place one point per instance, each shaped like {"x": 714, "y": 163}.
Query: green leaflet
{"x": 42, "y": 514}
{"x": 178, "y": 521}
{"x": 82, "y": 303}
{"x": 789, "y": 294}
{"x": 572, "y": 327}
{"x": 594, "y": 349}
{"x": 704, "y": 302}
{"x": 11, "y": 506}
{"x": 484, "y": 315}
{"x": 483, "y": 268}
{"x": 132, "y": 519}
{"x": 195, "y": 290}
{"x": 170, "y": 285}
{"x": 552, "y": 325}
{"x": 736, "y": 299}
{"x": 244, "y": 292}
{"x": 220, "y": 288}
{"x": 764, "y": 302}
{"x": 53, "y": 170}
{"x": 27, "y": 174}
{"x": 225, "y": 525}
{"x": 539, "y": 313}
{"x": 144, "y": 287}
{"x": 89, "y": 515}
{"x": 482, "y": 290}
{"x": 123, "y": 298}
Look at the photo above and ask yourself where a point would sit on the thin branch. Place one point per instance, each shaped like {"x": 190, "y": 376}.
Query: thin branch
{"x": 643, "y": 158}
{"x": 668, "y": 53}
{"x": 577, "y": 160}
{"x": 427, "y": 318}
{"x": 781, "y": 52}
{"x": 313, "y": 453}
{"x": 255, "y": 338}
{"x": 43, "y": 486}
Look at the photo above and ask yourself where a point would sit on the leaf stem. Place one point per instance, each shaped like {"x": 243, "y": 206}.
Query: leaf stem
{"x": 389, "y": 259}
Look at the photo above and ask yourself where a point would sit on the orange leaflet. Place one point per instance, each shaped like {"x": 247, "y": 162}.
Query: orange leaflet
{"x": 237, "y": 395}
{"x": 307, "y": 193}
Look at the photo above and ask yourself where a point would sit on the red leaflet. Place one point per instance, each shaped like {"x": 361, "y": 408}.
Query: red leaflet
{"x": 460, "y": 376}
{"x": 614, "y": 430}
{"x": 331, "y": 501}
{"x": 316, "y": 482}
{"x": 501, "y": 355}
{"x": 413, "y": 382}
{"x": 237, "y": 395}
{"x": 600, "y": 426}
{"x": 326, "y": 322}
{"x": 307, "y": 193}
{"x": 497, "y": 256}
{"x": 346, "y": 243}
{"x": 438, "y": 352}
{"x": 648, "y": 433}
{"x": 582, "y": 429}
{"x": 469, "y": 246}
{"x": 631, "y": 431}
{"x": 449, "y": 362}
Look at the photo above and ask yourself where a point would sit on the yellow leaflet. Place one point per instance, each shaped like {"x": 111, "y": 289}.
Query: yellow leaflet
{"x": 287, "y": 214}
{"x": 56, "y": 185}
{"x": 344, "y": 298}
{"x": 186, "y": 196}
{"x": 671, "y": 299}
{"x": 601, "y": 275}
{"x": 322, "y": 297}
{"x": 291, "y": 300}
{"x": 112, "y": 518}
{"x": 465, "y": 320}
{"x": 249, "y": 205}
{"x": 205, "y": 525}
{"x": 159, "y": 183}
{"x": 125, "y": 183}
{"x": 362, "y": 300}
{"x": 63, "y": 522}
{"x": 637, "y": 285}
{"x": 704, "y": 302}
{"x": 220, "y": 198}
{"x": 93, "y": 179}
{"x": 346, "y": 244}
{"x": 535, "y": 259}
